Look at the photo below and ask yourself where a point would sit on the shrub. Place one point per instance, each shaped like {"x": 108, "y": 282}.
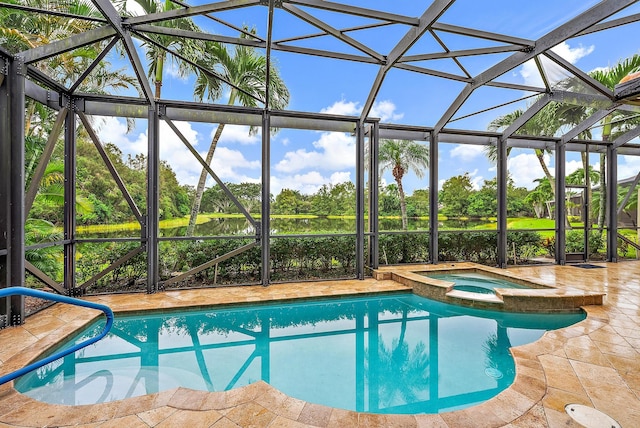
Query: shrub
{"x": 403, "y": 248}
{"x": 93, "y": 258}
{"x": 575, "y": 242}
{"x": 468, "y": 246}
{"x": 526, "y": 245}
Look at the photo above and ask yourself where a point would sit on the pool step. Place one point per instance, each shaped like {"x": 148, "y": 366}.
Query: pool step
{"x": 475, "y": 300}
{"x": 481, "y": 297}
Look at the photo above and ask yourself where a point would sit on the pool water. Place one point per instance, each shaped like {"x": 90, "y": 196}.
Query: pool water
{"x": 475, "y": 283}
{"x": 398, "y": 353}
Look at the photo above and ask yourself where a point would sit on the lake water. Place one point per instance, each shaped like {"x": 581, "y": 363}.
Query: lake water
{"x": 240, "y": 226}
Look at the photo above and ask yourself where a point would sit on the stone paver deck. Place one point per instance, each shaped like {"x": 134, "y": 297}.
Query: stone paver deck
{"x": 595, "y": 362}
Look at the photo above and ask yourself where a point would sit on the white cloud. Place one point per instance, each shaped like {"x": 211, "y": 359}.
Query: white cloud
{"x": 307, "y": 183}
{"x": 628, "y": 166}
{"x": 335, "y": 151}
{"x": 226, "y": 162}
{"x": 340, "y": 177}
{"x": 531, "y": 75}
{"x": 172, "y": 69}
{"x": 476, "y": 180}
{"x": 343, "y": 108}
{"x": 601, "y": 69}
{"x": 385, "y": 110}
{"x": 133, "y": 7}
{"x": 237, "y": 134}
{"x": 112, "y": 130}
{"x": 572, "y": 166}
{"x": 524, "y": 168}
{"x": 572, "y": 54}
{"x": 467, "y": 153}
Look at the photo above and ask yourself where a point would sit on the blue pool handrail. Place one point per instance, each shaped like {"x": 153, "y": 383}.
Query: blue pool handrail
{"x": 23, "y": 291}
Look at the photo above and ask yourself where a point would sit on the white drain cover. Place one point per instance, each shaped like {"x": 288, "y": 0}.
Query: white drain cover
{"x": 590, "y": 417}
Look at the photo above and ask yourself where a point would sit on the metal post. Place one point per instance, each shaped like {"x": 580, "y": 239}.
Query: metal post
{"x": 5, "y": 189}
{"x": 360, "y": 200}
{"x": 265, "y": 223}
{"x": 374, "y": 227}
{"x": 586, "y": 206}
{"x": 70, "y": 201}
{"x": 433, "y": 198}
{"x": 17, "y": 73}
{"x": 153, "y": 196}
{"x": 502, "y": 202}
{"x": 561, "y": 213}
{"x": 612, "y": 204}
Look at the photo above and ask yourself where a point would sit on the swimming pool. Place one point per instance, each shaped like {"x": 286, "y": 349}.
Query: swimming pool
{"x": 392, "y": 354}
{"x": 474, "y": 282}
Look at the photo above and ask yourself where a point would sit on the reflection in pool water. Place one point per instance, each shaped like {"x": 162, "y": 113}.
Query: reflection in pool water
{"x": 393, "y": 354}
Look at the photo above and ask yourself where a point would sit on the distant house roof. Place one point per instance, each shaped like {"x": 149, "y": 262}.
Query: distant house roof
{"x": 628, "y": 90}
{"x": 622, "y": 182}
{"x": 630, "y": 77}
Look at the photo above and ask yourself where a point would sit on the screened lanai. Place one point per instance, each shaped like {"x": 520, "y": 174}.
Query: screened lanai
{"x": 78, "y": 75}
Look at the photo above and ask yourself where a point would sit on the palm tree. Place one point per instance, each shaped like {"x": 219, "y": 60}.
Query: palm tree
{"x": 51, "y": 189}
{"x": 612, "y": 125}
{"x": 155, "y": 54}
{"x": 404, "y": 373}
{"x": 539, "y": 196}
{"x": 21, "y": 30}
{"x": 37, "y": 230}
{"x": 544, "y": 123}
{"x": 611, "y": 128}
{"x": 245, "y": 72}
{"x": 401, "y": 156}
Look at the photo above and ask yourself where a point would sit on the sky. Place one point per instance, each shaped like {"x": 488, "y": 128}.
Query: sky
{"x": 304, "y": 160}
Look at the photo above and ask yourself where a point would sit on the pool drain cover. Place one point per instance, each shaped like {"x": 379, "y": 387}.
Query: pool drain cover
{"x": 590, "y": 417}
{"x": 494, "y": 373}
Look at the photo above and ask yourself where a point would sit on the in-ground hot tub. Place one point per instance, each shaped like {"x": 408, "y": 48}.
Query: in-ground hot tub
{"x": 497, "y": 289}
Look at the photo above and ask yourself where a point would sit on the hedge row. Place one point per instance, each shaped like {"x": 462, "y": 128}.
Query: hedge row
{"x": 291, "y": 258}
